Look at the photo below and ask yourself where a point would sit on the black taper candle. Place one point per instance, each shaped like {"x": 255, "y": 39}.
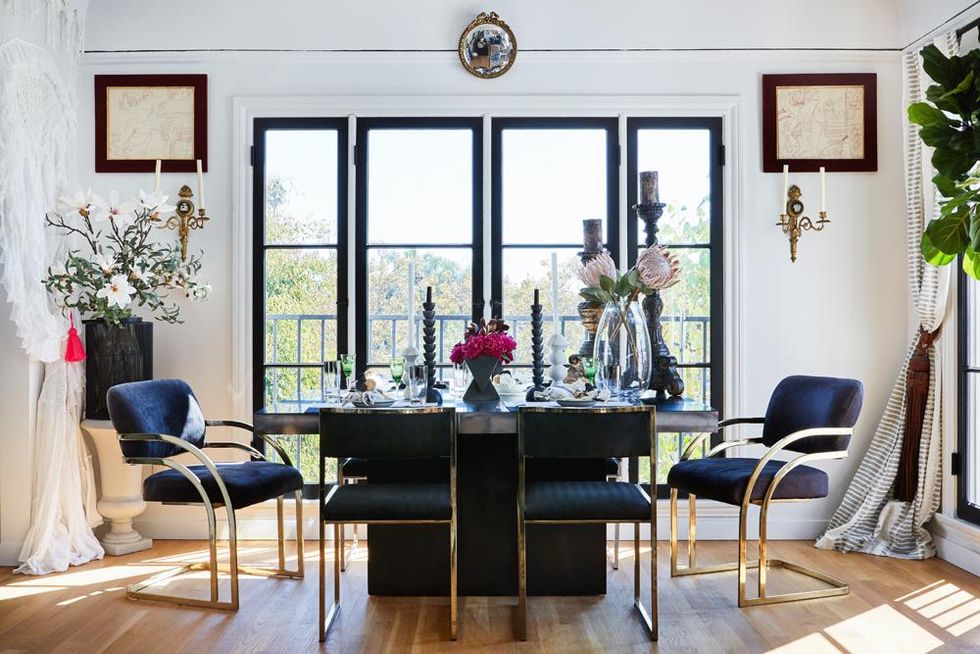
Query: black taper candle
{"x": 537, "y": 347}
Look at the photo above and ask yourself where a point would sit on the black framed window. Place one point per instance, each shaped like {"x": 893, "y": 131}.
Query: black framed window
{"x": 967, "y": 458}
{"x": 419, "y": 203}
{"x": 299, "y": 262}
{"x": 547, "y": 175}
{"x": 689, "y": 157}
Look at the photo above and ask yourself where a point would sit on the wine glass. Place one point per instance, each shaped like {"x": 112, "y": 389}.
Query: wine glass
{"x": 459, "y": 379}
{"x": 589, "y": 367}
{"x": 347, "y": 362}
{"x": 417, "y": 378}
{"x": 396, "y": 366}
{"x": 331, "y": 380}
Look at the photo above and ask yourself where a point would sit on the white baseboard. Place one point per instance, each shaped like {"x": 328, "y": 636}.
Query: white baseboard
{"x": 957, "y": 542}
{"x": 715, "y": 522}
{"x": 9, "y": 554}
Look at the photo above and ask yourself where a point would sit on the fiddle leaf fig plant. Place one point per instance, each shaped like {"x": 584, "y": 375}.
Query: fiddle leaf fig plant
{"x": 949, "y": 122}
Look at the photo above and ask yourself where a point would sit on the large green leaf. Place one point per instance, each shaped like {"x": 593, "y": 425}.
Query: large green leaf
{"x": 950, "y": 163}
{"x": 943, "y": 71}
{"x": 925, "y": 114}
{"x": 932, "y": 254}
{"x": 971, "y": 263}
{"x": 938, "y": 136}
{"x": 949, "y": 235}
{"x": 608, "y": 284}
{"x": 945, "y": 185}
{"x": 966, "y": 83}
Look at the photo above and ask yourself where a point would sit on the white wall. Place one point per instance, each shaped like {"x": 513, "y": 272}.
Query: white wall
{"x": 840, "y": 310}
{"x": 918, "y": 18}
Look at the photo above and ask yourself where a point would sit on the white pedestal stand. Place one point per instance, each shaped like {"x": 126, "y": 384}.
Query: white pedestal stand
{"x": 121, "y": 492}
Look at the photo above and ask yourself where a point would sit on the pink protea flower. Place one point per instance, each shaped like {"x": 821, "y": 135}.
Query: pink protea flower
{"x": 657, "y": 268}
{"x": 591, "y": 271}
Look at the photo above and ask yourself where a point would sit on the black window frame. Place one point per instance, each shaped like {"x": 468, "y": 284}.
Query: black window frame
{"x": 714, "y": 127}
{"x": 613, "y": 153}
{"x": 960, "y": 465}
{"x": 361, "y": 246}
{"x": 260, "y": 247}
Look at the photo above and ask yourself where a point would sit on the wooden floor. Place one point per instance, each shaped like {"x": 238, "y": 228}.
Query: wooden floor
{"x": 894, "y": 606}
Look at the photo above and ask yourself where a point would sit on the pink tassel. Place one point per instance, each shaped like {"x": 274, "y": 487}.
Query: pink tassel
{"x": 74, "y": 351}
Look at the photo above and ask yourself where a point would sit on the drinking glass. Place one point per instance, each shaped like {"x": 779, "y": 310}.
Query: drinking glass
{"x": 611, "y": 378}
{"x": 417, "y": 376}
{"x": 459, "y": 378}
{"x": 590, "y": 368}
{"x": 396, "y": 365}
{"x": 331, "y": 380}
{"x": 347, "y": 362}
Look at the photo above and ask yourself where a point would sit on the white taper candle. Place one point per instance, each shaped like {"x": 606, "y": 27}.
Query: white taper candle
{"x": 156, "y": 178}
{"x": 200, "y": 186}
{"x": 554, "y": 290}
{"x": 823, "y": 188}
{"x": 782, "y": 203}
{"x": 411, "y": 303}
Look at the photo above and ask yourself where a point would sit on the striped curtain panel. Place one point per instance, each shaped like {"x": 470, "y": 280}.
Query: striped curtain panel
{"x": 872, "y": 518}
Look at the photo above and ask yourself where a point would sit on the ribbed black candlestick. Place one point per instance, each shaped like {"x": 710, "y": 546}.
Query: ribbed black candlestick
{"x": 429, "y": 347}
{"x": 664, "y": 379}
{"x": 537, "y": 346}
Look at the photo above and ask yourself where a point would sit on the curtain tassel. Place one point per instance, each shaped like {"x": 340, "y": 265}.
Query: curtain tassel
{"x": 74, "y": 351}
{"x": 916, "y": 396}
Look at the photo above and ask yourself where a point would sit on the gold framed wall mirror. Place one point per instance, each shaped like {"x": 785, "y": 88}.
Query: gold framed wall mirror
{"x": 487, "y": 47}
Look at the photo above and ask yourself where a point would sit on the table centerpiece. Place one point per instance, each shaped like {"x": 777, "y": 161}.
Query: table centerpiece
{"x": 485, "y": 346}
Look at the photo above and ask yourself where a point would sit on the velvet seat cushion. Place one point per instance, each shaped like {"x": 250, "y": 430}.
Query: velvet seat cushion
{"x": 725, "y": 480}
{"x": 248, "y": 483}
{"x": 585, "y": 500}
{"x": 368, "y": 502}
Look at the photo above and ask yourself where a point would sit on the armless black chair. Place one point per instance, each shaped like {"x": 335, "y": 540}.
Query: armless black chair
{"x": 385, "y": 434}
{"x": 812, "y": 416}
{"x": 598, "y": 433}
{"x": 352, "y": 471}
{"x": 161, "y": 418}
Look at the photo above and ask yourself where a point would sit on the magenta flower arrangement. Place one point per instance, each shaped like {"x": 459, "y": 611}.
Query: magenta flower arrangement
{"x": 485, "y": 339}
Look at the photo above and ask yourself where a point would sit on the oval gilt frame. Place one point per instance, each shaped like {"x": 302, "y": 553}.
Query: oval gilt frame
{"x": 487, "y": 19}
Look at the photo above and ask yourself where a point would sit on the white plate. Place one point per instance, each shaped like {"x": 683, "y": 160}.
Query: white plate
{"x": 575, "y": 402}
{"x": 377, "y": 404}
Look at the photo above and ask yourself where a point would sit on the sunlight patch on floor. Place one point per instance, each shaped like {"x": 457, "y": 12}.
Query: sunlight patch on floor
{"x": 882, "y": 629}
{"x": 946, "y": 605}
{"x": 813, "y": 644}
{"x": 9, "y": 592}
{"x": 88, "y": 577}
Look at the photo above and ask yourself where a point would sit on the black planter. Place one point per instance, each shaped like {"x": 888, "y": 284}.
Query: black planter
{"x": 115, "y": 355}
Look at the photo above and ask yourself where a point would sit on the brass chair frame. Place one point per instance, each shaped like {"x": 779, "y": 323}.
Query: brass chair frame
{"x": 651, "y": 618}
{"x": 345, "y": 560}
{"x": 137, "y": 591}
{"x": 328, "y": 617}
{"x": 835, "y": 586}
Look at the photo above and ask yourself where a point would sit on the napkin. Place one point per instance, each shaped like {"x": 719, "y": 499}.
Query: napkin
{"x": 577, "y": 390}
{"x": 368, "y": 398}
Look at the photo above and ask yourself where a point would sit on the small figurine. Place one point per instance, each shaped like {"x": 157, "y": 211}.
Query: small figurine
{"x": 576, "y": 370}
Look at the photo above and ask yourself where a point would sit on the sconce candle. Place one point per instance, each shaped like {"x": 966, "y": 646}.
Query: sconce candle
{"x": 649, "y": 187}
{"x": 785, "y": 185}
{"x": 823, "y": 190}
{"x": 156, "y": 178}
{"x": 200, "y": 185}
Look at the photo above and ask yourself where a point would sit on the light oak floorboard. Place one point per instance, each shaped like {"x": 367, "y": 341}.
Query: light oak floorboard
{"x": 894, "y": 606}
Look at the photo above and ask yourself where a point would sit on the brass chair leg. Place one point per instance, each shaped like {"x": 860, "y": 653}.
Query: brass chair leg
{"x": 615, "y": 561}
{"x": 327, "y": 618}
{"x": 453, "y": 589}
{"x": 521, "y": 578}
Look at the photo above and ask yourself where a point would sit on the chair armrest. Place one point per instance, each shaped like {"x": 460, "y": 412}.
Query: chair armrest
{"x": 724, "y": 445}
{"x": 780, "y": 445}
{"x": 235, "y": 445}
{"x": 187, "y": 447}
{"x": 265, "y": 438}
{"x": 758, "y": 420}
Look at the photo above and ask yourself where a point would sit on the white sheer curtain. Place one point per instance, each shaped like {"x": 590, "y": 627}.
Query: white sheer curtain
{"x": 869, "y": 519}
{"x": 37, "y": 132}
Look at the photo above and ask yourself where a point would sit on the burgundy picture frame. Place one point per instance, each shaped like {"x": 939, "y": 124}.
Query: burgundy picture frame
{"x": 869, "y": 163}
{"x": 105, "y": 165}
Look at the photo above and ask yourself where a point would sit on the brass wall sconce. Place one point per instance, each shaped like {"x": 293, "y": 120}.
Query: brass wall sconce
{"x": 794, "y": 223}
{"x": 185, "y": 220}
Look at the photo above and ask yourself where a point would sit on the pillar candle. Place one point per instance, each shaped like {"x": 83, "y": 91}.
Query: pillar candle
{"x": 156, "y": 178}
{"x": 823, "y": 189}
{"x": 649, "y": 187}
{"x": 411, "y": 303}
{"x": 554, "y": 290}
{"x": 592, "y": 235}
{"x": 200, "y": 186}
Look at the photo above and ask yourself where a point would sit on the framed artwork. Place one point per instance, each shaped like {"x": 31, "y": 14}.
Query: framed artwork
{"x": 815, "y": 120}
{"x": 142, "y": 118}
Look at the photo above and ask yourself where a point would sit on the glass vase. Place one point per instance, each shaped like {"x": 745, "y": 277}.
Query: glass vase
{"x": 622, "y": 340}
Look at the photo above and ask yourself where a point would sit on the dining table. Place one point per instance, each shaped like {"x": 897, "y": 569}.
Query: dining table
{"x": 410, "y": 560}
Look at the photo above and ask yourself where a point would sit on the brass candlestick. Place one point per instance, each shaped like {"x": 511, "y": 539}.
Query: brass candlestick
{"x": 185, "y": 220}
{"x": 794, "y": 223}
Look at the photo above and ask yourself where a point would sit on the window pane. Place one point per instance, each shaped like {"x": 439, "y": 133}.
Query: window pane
{"x": 303, "y": 450}
{"x": 972, "y": 334}
{"x": 448, "y": 271}
{"x": 420, "y": 186}
{"x": 300, "y": 305}
{"x": 301, "y": 186}
{"x": 686, "y": 316}
{"x": 972, "y": 462}
{"x": 551, "y": 180}
{"x": 527, "y": 269}
{"x": 683, "y": 159}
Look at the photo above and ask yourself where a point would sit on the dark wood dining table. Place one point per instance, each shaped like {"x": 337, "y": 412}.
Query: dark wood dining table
{"x": 410, "y": 560}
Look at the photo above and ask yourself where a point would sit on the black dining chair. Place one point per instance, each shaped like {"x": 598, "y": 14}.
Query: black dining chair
{"x": 811, "y": 416}
{"x": 161, "y": 418}
{"x": 385, "y": 434}
{"x": 351, "y": 471}
{"x": 597, "y": 433}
